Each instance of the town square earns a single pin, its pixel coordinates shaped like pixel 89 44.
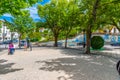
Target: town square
pixel 59 40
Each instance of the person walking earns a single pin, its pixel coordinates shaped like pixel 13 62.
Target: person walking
pixel 29 45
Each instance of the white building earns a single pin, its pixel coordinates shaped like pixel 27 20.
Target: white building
pixel 114 30
pixel 5 33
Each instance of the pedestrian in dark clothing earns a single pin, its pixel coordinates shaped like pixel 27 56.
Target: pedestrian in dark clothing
pixel 29 45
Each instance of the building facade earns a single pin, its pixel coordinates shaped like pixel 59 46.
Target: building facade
pixel 5 33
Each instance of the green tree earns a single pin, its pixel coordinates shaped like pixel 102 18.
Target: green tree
pixel 51 13
pixel 90 10
pixel 35 36
pixel 15 6
pixel 112 15
pixel 60 15
pixel 24 25
pixel 70 19
pixel 95 15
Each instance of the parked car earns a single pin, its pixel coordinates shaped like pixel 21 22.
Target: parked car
pixel 7 42
pixel 22 42
pixel 1 42
pixel 14 40
pixel 81 43
pixel 115 44
pixel 59 43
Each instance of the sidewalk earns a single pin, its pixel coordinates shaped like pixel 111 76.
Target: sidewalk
pixel 113 51
pixel 49 63
pixel 108 50
pixel 2 51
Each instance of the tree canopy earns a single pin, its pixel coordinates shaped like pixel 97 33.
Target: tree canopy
pixel 89 15
pixel 59 15
pixel 14 6
pixel 66 15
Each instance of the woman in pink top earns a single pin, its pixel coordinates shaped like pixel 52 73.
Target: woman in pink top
pixel 10 48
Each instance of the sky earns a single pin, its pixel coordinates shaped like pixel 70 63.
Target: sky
pixel 33 12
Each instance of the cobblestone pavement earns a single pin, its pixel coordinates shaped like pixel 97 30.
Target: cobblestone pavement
pixel 56 64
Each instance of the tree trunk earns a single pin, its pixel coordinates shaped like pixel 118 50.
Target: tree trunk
pixel 19 41
pixel 88 43
pixel 56 39
pixel 66 41
pixel 91 22
pixel 84 42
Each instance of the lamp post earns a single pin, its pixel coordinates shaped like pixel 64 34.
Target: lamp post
pixel 3 34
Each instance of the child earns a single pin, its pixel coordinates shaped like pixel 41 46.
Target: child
pixel 11 48
pixel 25 46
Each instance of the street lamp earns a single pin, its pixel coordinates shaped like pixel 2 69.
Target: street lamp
pixel 3 34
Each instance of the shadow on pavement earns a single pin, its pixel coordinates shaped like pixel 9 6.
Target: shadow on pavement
pixel 78 52
pixel 2 49
pixel 93 53
pixel 7 67
pixel 84 67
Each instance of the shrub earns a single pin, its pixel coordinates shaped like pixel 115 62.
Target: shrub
pixel 34 40
pixel 97 42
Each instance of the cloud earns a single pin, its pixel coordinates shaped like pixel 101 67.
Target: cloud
pixel 7 15
pixel 33 12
